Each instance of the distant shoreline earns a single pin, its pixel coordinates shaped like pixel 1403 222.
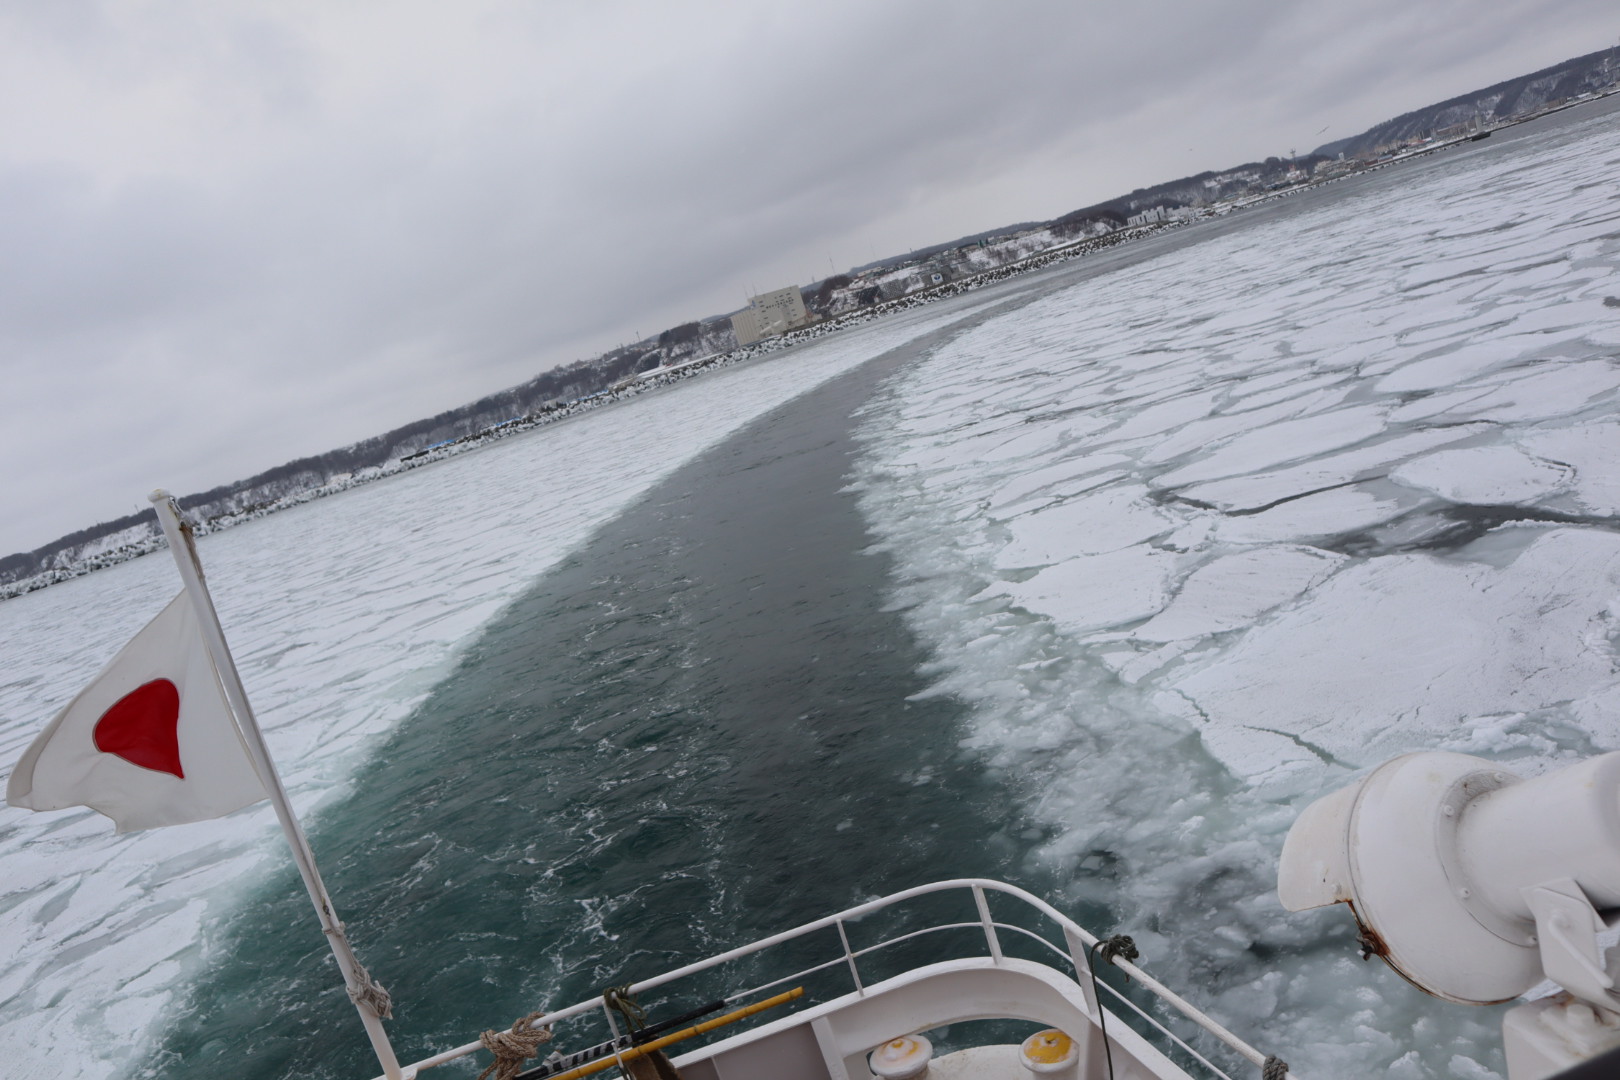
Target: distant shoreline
pixel 658 378
pixel 128 548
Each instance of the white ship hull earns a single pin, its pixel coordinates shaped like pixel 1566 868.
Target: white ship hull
pixel 834 1039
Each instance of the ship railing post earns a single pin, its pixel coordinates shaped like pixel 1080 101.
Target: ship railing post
pixel 989 927
pixel 1077 956
pixel 849 958
pixel 1094 1055
pixel 613 1027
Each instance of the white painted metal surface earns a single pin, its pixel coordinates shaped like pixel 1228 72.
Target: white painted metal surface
pixel 832 1040
pixel 1476 885
pixel 1546 1037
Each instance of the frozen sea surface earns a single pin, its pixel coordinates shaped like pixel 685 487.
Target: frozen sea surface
pixel 1201 537
pixel 342 614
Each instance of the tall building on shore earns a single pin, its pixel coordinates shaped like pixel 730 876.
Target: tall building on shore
pixel 769 314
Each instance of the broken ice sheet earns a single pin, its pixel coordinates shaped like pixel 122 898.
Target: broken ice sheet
pixel 1325 513
pixel 1235 590
pixel 1065 478
pixel 1087 525
pixel 1463 359
pixel 1173 754
pixel 1593 451
pixel 1483 475
pixel 1094 592
pixel 1257 490
pixel 1268 445
pixel 1554 388
pixel 1401 651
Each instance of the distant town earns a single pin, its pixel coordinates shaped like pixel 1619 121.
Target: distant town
pixel 783 317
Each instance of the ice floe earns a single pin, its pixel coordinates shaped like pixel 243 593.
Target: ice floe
pixel 1235 590
pixel 1593 451
pixel 1401 652
pixel 1085 525
pixel 1093 592
pixel 1483 474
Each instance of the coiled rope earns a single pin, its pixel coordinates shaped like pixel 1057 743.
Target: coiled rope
pixel 1118 945
pixel 513 1046
pixel 1275 1068
pixel 621 1001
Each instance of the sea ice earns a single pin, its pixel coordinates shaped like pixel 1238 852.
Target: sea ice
pixel 1086 525
pixel 1273 444
pixel 1593 451
pixel 1556 388
pixel 1462 360
pixel 1310 517
pixel 1364 365
pixel 1096 591
pixel 1258 490
pixel 1236 590
pixel 1064 478
pixel 1483 474
pixel 1404 650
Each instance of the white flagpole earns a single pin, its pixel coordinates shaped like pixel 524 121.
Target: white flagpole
pixel 369 998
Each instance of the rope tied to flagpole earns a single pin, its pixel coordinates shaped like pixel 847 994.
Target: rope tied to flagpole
pixel 365 991
pixel 372 994
pixel 513 1046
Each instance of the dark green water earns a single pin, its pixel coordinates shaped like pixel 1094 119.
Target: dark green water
pixel 693 734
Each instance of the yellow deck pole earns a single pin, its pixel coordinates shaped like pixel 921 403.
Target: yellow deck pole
pixel 696 1029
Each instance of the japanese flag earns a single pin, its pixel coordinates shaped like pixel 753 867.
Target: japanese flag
pixel 150 742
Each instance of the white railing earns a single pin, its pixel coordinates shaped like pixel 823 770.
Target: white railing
pixel 1077 937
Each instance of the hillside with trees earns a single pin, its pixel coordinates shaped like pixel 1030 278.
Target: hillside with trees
pixel 1504 101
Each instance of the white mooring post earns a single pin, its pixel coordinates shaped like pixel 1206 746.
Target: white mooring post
pixel 369 998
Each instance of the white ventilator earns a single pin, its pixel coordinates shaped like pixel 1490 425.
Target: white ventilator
pixel 1476 885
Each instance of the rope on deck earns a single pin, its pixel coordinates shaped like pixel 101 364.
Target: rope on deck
pixel 513 1046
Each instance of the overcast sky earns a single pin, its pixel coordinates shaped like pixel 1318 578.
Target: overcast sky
pixel 234 234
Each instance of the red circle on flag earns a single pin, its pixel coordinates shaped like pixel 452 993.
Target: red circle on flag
pixel 142 727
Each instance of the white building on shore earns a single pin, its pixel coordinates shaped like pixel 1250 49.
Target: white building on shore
pixel 769 314
pixel 1154 214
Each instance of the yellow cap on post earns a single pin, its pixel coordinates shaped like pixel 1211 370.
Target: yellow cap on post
pixel 904 1058
pixel 1048 1051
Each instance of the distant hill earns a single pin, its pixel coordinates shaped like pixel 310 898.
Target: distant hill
pixel 961 241
pixel 1503 101
pixel 1206 187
